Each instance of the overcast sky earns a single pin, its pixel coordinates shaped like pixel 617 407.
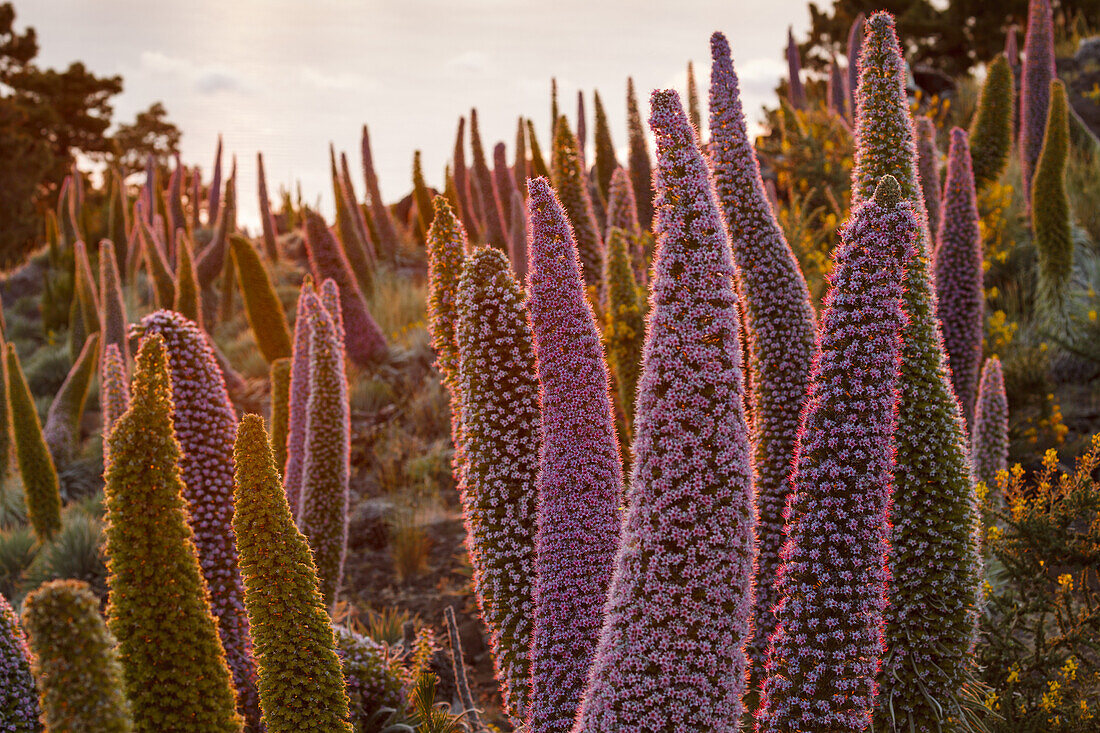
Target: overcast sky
pixel 289 76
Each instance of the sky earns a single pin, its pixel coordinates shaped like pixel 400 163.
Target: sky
pixel 287 77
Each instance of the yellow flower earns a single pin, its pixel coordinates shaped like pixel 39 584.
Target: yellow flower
pixel 1014 674
pixel 1066 583
pixel 1069 669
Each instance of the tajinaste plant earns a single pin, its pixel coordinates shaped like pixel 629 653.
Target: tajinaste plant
pixel 1038 73
pixel 989 436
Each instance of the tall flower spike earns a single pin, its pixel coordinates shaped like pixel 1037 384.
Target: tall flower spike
pixel 300 681
pixel 500 438
pixel 521 167
pixel 582 126
pixel 114 308
pixel 280 409
pixel 795 93
pixel 262 306
pixel 538 163
pixel 213 205
pixel 989 436
pixel 298 400
pixel 641 177
pixel 173 663
pixel 486 192
pixel 62 429
pixel 41 489
pixel 835 92
pixel 267 221
pixel 571 185
pixel 352 242
pixel 388 241
pixel 853 51
pixel 366 345
pixel 358 212
pixel 206 425
pixel 75 660
pixel 18 700
pixel 188 299
pixel 681 600
pixel 580 478
pixel 502 174
pixel 695 114
pixel 932 543
pixel 114 393
pixel 622 208
pixel 323 516
pixel 991 130
pixel 422 196
pixel 779 322
pixel 624 322
pixel 1038 73
pixel 518 253
pixel 1050 212
pixel 827 646
pixel 928 166
pixel 465 210
pixel 606 164
pixel 960 294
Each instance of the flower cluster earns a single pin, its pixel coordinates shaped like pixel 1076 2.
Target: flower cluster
pixel 571 186
pixel 580 477
pixel 18 701
pixel 300 681
pixel 960 295
pixel 680 603
pixel 827 646
pixel 206 426
pixel 499 394
pixel 779 322
pixel 1038 74
pixel 75 660
pixel 174 666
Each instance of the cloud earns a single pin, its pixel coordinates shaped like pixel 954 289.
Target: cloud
pixel 337 81
pixel 206 79
pixel 469 63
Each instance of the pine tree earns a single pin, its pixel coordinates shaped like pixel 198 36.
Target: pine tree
pixel 989 436
pixel 828 643
pixel 778 322
pixel 580 476
pixel 300 681
pixel 267 221
pixel 323 516
pixel 387 239
pixel 40 485
pixel 366 345
pixel 62 429
pixel 681 610
pixel 640 165
pixel 960 295
pixel 280 409
pixel 571 185
pixel 205 425
pixel 188 299
pixel 624 323
pixel 261 304
pixel 928 167
pixel 499 395
pixel 1035 91
pixel 173 663
pixel 297 400
pixel 1050 214
pixel 114 393
pixel 486 192
pixel 75 660
pixel 991 129
pixel 18 701
pixel 934 563
pixel 605 151
pixel 113 316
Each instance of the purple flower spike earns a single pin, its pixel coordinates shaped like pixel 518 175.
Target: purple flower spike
pixel 1035 87
pixel 827 647
pixel 779 321
pixel 672 648
pixel 580 478
pixel 989 441
pixel 928 166
pixel 958 271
